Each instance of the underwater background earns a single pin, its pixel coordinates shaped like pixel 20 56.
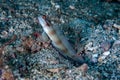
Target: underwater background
pixel 92 27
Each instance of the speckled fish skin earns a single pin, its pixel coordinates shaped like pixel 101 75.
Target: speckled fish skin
pixel 59 42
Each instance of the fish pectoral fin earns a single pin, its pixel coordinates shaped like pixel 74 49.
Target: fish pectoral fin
pixel 53 43
pixel 45 37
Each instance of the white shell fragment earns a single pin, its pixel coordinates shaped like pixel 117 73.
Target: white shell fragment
pixel 11 30
pixel 4 34
pixel 94 58
pixel 95 55
pixel 106 53
pixel 72 7
pixel 57 7
pixel 89 47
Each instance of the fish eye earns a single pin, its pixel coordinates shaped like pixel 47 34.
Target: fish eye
pixel 44 16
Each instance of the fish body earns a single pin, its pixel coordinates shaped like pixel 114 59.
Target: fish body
pixel 59 41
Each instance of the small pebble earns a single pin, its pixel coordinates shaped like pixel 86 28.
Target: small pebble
pixel 20 49
pixel 36 34
pixel 105 45
pixel 54 70
pixel 116 26
pixel 103 56
pixel 117 42
pixel 84 67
